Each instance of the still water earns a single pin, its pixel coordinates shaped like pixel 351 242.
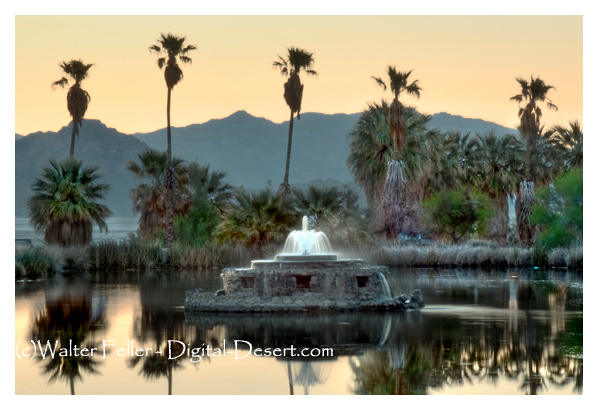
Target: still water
pixel 480 333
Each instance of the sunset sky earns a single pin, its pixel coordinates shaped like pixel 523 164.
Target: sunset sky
pixel 466 65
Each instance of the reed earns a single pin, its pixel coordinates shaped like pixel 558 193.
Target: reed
pixel 34 263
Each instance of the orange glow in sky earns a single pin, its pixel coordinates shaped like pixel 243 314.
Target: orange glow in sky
pixel 466 65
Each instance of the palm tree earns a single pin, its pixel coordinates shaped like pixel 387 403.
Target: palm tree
pixel 209 185
pixel 398 83
pixel 149 197
pixel 395 197
pixel 450 162
pixel 257 219
pixel 297 60
pixel 532 93
pixel 175 51
pixel 371 151
pixel 569 142
pixel 494 165
pixel 77 98
pixel 65 204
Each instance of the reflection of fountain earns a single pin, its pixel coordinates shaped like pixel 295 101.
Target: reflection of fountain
pixel 307 276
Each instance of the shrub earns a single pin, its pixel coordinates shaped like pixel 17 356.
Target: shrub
pixel 457 213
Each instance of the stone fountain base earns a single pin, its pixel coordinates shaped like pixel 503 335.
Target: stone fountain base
pixel 296 283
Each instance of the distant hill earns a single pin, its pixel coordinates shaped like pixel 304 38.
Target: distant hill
pixel 250 149
pixel 253 150
pixel 96 144
pixel 450 122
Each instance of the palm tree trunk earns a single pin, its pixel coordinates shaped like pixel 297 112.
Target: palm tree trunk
pixel 498 225
pixel 284 190
pixel 524 203
pixel 169 180
pixel 170 378
pixel 73 135
pixel 289 378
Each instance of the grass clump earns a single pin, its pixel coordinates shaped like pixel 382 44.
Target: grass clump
pixel 34 263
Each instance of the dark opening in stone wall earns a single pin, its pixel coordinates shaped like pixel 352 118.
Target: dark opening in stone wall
pixel 302 281
pixel 362 280
pixel 247 282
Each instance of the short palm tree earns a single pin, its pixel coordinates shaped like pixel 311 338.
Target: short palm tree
pixel 77 98
pixel 149 197
pixel 569 142
pixel 319 204
pixel 297 60
pixel 494 165
pixel 209 185
pixel 65 203
pixel 395 195
pixel 532 93
pixel 175 50
pixel 257 219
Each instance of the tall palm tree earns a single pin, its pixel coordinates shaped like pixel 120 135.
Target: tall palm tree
pixel 494 165
pixel 65 203
pixel 532 93
pixel 175 50
pixel 398 83
pixel 569 142
pixel 149 197
pixel 371 151
pixel 77 98
pixel 395 197
pixel 291 67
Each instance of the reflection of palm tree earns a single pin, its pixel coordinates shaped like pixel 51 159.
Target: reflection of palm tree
pixel 160 322
pixel 69 321
pixel 308 373
pixel 158 365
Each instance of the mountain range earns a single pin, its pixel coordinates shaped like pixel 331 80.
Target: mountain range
pixel 250 149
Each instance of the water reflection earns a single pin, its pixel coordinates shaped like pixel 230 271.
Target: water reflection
pixel 71 317
pixel 506 332
pixel 161 321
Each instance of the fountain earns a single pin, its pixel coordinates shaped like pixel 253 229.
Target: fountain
pixel 306 276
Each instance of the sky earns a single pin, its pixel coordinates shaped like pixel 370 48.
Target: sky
pixel 466 65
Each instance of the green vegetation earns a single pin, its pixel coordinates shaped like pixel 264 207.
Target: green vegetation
pixel 458 213
pixel 558 212
pixel 65 203
pixel 398 215
pixel 535 170
pixel 419 183
pixel 257 219
pixel 149 197
pixel 291 67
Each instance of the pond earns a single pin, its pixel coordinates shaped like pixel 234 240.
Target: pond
pixel 515 332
